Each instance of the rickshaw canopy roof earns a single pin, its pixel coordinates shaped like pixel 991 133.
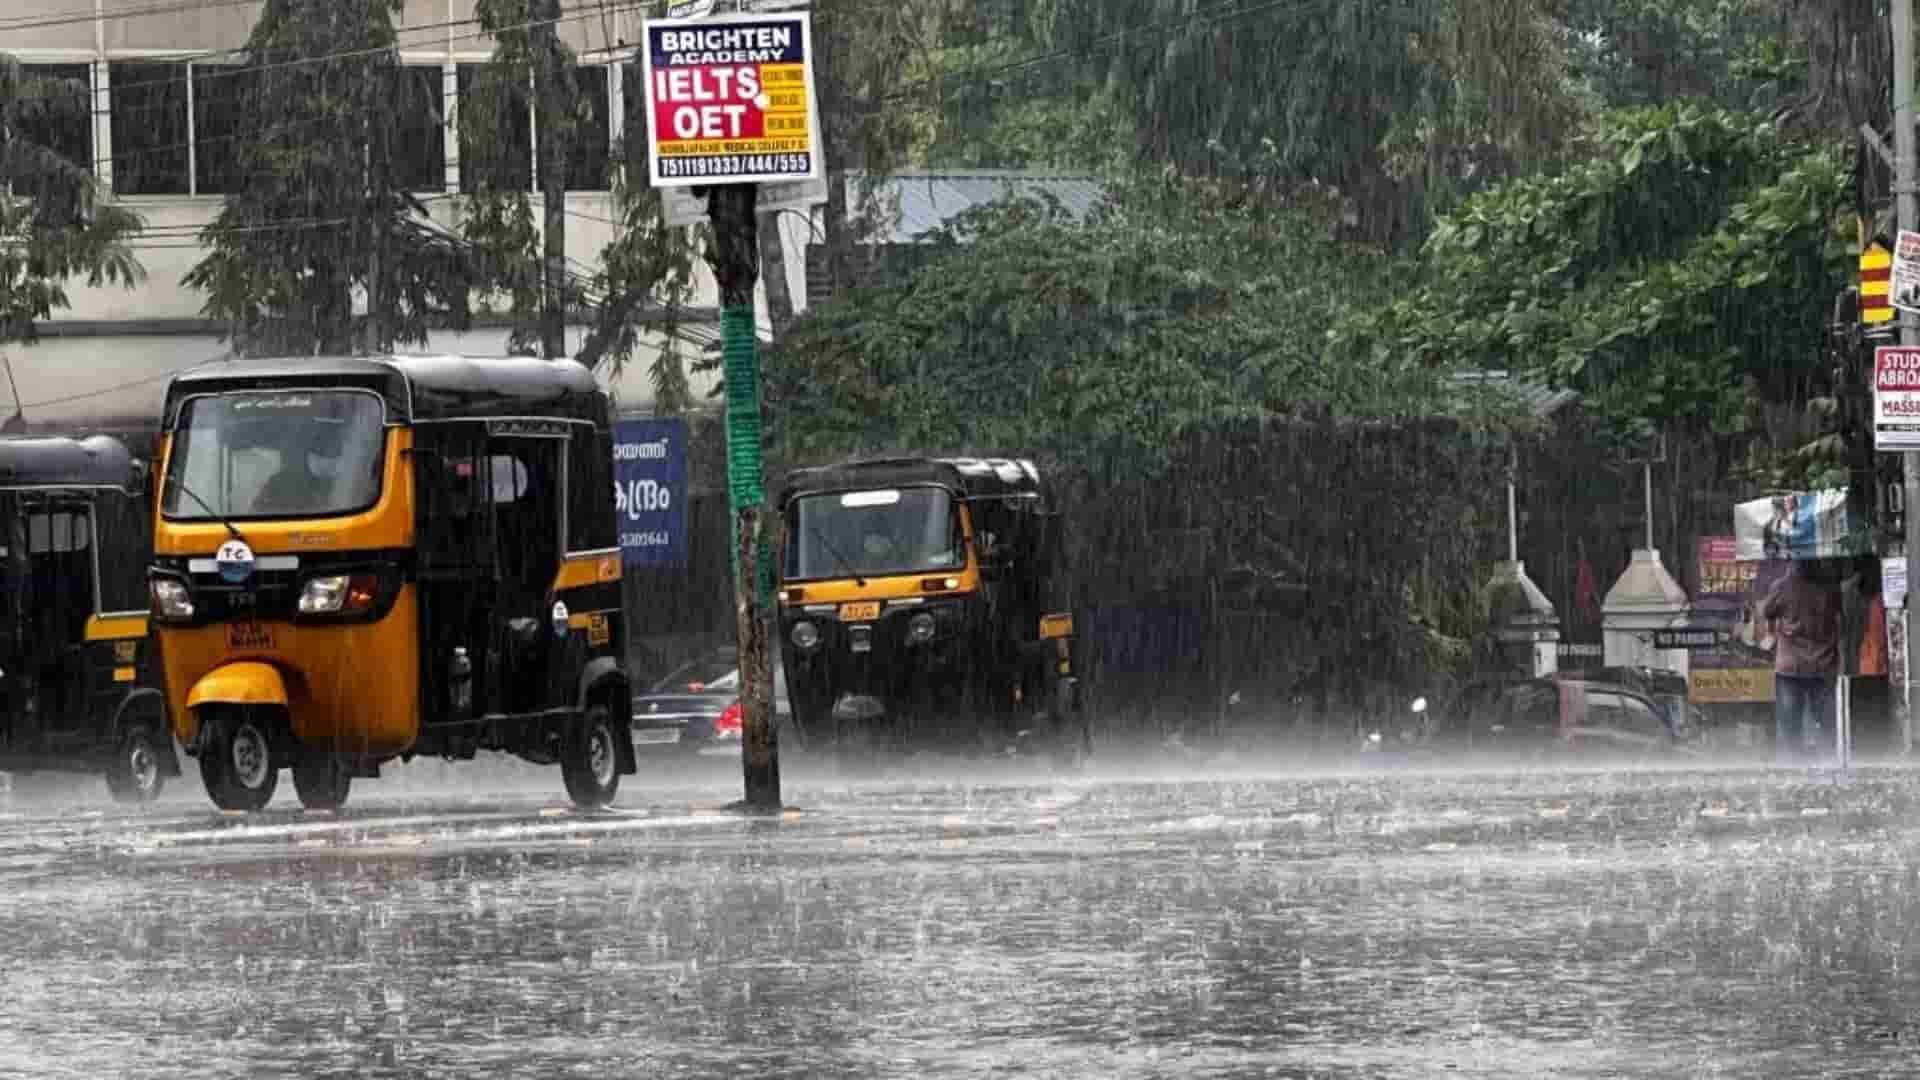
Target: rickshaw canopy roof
pixel 50 462
pixel 969 478
pixel 416 388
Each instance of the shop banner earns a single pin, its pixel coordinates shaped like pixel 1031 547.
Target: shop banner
pixel 1801 525
pixel 1741 669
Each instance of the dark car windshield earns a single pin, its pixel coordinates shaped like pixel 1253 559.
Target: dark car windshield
pixel 276 454
pixel 873 533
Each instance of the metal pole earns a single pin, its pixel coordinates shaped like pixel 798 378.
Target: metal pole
pixel 548 107
pixel 1907 211
pixel 1646 474
pixel 1513 506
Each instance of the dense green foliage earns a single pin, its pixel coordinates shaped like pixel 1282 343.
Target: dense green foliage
pixel 1678 275
pixel 320 216
pixel 56 224
pixel 1176 306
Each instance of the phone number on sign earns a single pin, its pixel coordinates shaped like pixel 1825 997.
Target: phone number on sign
pixel 777 164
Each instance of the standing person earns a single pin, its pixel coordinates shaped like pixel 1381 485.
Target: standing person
pixel 1804 614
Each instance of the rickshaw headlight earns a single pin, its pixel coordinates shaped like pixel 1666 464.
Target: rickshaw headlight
pixel 338 594
pixel 920 628
pixel 805 635
pixel 171 600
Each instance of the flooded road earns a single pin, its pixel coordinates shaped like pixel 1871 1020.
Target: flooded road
pixel 1659 924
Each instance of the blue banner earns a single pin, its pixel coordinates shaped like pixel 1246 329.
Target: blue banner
pixel 650 492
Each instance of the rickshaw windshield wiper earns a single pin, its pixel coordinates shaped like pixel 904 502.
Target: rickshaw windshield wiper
pixel 211 512
pixel 813 530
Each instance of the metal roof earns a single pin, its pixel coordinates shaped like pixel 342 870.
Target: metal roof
pixel 913 202
pixel 99 461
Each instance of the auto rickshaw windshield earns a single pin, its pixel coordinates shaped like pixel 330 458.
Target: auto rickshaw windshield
pixel 873 533
pixel 275 454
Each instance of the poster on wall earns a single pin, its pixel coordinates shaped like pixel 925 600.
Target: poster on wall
pixel 1799 525
pixel 1741 669
pixel 650 492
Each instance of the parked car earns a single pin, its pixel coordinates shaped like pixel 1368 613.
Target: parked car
pixel 696 708
pixel 1561 718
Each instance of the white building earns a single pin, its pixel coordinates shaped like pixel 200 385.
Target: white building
pixel 160 141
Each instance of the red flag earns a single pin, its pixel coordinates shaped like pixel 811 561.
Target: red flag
pixel 1586 591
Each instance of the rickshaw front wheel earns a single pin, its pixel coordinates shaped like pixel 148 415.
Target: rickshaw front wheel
pixel 236 761
pixel 589 760
pixel 133 774
pixel 321 780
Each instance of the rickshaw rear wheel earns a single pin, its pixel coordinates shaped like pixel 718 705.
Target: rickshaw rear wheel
pixel 321 780
pixel 236 761
pixel 589 761
pixel 133 774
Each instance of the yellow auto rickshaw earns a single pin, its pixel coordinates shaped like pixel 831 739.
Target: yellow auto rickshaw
pixel 358 560
pixel 79 690
pixel 928 597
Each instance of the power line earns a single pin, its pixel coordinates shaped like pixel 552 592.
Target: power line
pixel 601 9
pixel 46 21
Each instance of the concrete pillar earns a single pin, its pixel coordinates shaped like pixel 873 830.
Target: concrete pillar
pixel 1524 621
pixel 1645 599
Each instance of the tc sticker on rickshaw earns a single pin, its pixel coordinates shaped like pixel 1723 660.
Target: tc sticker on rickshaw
pixel 859 610
pixel 249 635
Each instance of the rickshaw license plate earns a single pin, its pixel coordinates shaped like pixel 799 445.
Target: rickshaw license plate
pixel 249 635
pixel 860 610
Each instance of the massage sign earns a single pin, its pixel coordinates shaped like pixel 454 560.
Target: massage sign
pixel 1896 398
pixel 730 100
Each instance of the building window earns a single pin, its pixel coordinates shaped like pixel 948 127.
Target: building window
pixel 223 118
pixel 587 159
pixel 65 126
pixel 419 158
pixel 495 104
pixel 150 128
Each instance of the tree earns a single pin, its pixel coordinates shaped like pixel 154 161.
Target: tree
pixel 1162 359
pixel 319 213
pixel 55 223
pixel 1681 276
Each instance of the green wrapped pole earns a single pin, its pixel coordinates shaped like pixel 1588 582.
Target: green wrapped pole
pixel 735 258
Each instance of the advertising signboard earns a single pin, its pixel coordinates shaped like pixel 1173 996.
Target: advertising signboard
pixel 650 492
pixel 1740 668
pixel 730 100
pixel 1896 397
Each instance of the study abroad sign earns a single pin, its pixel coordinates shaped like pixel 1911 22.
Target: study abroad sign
pixel 730 100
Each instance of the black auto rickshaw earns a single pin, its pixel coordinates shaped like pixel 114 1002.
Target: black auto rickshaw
pixel 358 560
pixel 79 688
pixel 922 596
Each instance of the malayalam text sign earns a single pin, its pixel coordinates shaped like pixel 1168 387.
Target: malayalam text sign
pixel 1896 397
pixel 650 491
pixel 730 100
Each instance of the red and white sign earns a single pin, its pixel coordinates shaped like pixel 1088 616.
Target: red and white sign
pixel 1896 397
pixel 730 100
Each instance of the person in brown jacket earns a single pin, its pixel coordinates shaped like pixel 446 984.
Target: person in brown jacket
pixel 1804 613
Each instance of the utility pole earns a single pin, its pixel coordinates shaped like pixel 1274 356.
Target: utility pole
pixel 1905 209
pixel 550 97
pixel 735 259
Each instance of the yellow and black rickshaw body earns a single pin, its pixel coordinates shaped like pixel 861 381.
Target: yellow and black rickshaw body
pixel 79 683
pixel 964 629
pixel 465 597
